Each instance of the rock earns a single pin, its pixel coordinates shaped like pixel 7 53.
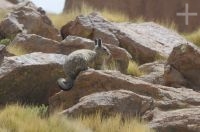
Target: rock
pixel 182 120
pixel 148 10
pixel 27 18
pixel 92 81
pixel 109 103
pixel 34 43
pixel 5 5
pixel 183 67
pixel 91 26
pixel 2 53
pixel 153 72
pixel 30 78
pixel 145 42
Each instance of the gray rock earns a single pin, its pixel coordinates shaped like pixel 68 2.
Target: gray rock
pixel 2 53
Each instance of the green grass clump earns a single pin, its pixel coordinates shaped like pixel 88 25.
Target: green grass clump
pixel 5 41
pixel 133 69
pixel 16 118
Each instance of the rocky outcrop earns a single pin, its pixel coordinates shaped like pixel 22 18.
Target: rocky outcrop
pixel 30 78
pixel 92 81
pixel 124 102
pixel 27 18
pixel 182 120
pixel 149 10
pixel 153 72
pixel 145 42
pixel 183 67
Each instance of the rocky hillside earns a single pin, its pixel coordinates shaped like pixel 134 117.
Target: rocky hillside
pixel 167 95
pixel 151 10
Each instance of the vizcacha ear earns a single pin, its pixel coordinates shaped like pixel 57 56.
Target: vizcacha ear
pixel 99 42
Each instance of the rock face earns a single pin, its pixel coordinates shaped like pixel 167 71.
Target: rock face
pixel 148 9
pixel 27 18
pixel 120 101
pixel 92 81
pixel 183 120
pixel 183 67
pixel 2 52
pixel 145 42
pixel 30 78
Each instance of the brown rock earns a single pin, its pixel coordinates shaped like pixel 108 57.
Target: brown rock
pixel 182 120
pixel 30 78
pixel 109 103
pixel 153 72
pixel 145 42
pixel 27 18
pixel 166 11
pixel 183 67
pixel 92 81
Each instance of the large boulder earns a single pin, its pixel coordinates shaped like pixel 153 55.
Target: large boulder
pixel 2 53
pixel 4 4
pixel 145 42
pixel 28 18
pixel 126 103
pixel 148 9
pixel 183 67
pixel 182 120
pixel 28 43
pixel 30 78
pixel 92 81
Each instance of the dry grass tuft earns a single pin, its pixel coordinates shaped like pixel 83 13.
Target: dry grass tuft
pixel 133 69
pixel 194 37
pixel 61 19
pixel 17 118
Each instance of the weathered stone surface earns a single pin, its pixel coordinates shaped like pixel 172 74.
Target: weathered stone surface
pixel 2 53
pixel 34 43
pixel 153 72
pixel 183 67
pixel 30 78
pixel 92 81
pixel 149 10
pixel 109 103
pixel 4 4
pixel 181 120
pixel 27 18
pixel 145 42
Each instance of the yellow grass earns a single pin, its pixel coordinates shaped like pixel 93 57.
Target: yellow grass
pixel 3 13
pixel 194 37
pixel 133 69
pixel 17 118
pixel 16 50
pixel 61 19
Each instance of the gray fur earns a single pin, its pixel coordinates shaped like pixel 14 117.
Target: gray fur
pixel 80 60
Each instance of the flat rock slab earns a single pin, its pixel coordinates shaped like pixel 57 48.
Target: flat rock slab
pixel 30 78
